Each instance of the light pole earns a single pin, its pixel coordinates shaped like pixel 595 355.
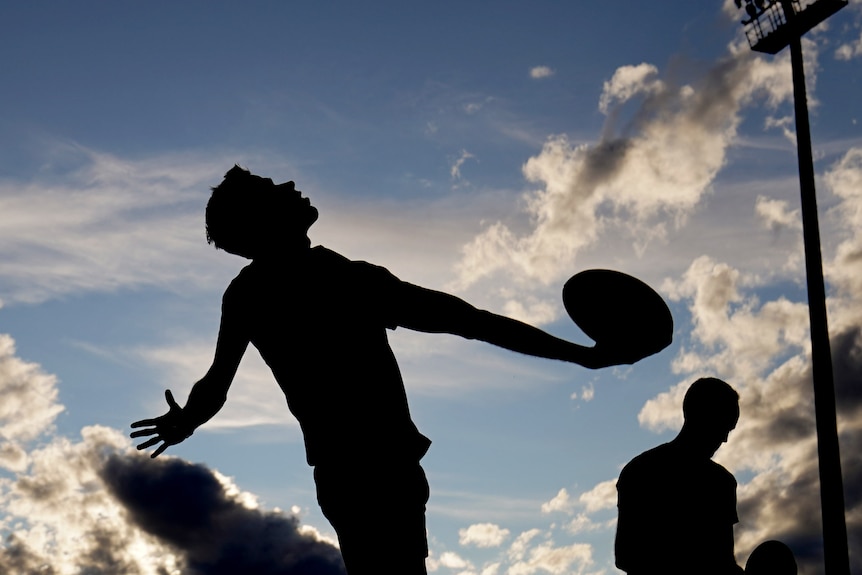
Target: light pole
pixel 771 25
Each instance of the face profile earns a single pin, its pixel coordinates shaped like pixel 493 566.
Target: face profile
pixel 297 209
pixel 251 216
pixel 711 412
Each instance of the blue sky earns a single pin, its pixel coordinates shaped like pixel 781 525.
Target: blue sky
pixel 489 150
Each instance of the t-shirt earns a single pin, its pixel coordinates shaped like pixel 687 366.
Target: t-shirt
pixel 676 514
pixel 319 321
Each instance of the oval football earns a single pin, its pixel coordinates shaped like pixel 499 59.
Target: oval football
pixel 616 309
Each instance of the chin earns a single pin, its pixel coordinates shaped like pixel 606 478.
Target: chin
pixel 313 214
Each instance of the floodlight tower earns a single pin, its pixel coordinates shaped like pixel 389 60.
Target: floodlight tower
pixel 770 26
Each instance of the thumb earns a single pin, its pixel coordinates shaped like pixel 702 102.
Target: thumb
pixel 172 403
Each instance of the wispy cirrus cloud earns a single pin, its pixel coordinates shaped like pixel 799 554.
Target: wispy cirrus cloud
pixel 96 222
pixel 102 223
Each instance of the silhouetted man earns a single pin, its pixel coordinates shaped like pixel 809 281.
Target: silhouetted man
pixel 677 507
pixel 319 321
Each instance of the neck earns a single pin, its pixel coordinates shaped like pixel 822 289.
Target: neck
pixel 689 440
pixel 285 249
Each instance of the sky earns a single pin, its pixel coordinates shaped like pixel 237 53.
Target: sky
pixel 490 150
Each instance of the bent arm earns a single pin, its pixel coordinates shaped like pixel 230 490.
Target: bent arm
pixel 437 312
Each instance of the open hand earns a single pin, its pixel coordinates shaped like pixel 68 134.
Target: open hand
pixel 169 429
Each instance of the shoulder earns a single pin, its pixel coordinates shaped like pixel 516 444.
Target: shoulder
pixel 721 475
pixel 239 285
pixel 322 256
pixel 646 463
pixel 648 457
pixel 324 259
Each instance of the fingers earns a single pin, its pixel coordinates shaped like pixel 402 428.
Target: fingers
pixel 163 428
pixel 150 442
pixel 169 397
pixel 159 450
pixel 145 423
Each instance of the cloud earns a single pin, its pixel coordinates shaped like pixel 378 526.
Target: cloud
pixel 583 523
pixel 539 72
pixel 556 560
pixel 602 496
pixel 629 81
pixel 453 561
pixel 532 551
pixel 761 348
pixel 777 440
pixel 101 223
pixel 776 215
pixel 91 221
pixel 560 502
pixel 28 400
pixel 58 514
pixel 852 48
pixel 740 337
pixel 844 179
pixel 483 535
pixel 192 509
pixel 640 181
pixel 785 124
pixel 97 506
pixel 455 170
pixel 849 50
pixel 740 330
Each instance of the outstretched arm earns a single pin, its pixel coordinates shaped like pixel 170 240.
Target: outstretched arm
pixel 437 312
pixel 206 397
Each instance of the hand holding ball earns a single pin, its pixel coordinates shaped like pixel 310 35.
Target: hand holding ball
pixel 624 316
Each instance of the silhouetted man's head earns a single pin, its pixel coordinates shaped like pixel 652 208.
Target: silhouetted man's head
pixel 711 411
pixel 250 216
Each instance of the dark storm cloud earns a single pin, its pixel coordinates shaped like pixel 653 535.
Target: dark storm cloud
pixel 185 506
pixel 793 509
pixel 790 506
pixel 847 368
pixel 96 507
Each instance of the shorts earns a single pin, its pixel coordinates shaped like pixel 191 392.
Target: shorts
pixel 378 511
